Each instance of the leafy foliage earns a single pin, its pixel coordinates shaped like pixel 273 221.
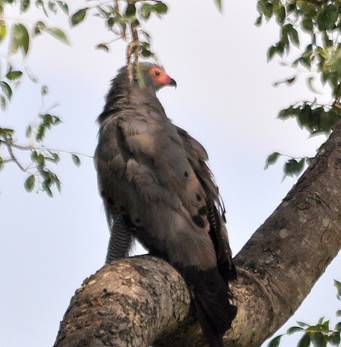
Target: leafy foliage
pixel 125 19
pixel 79 16
pixel 316 119
pixel 38 170
pixel 292 166
pixel 18 37
pixel 317 335
pixel 318 25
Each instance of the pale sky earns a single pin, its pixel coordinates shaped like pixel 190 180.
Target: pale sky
pixel 224 98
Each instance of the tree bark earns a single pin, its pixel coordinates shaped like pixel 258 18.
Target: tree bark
pixel 142 301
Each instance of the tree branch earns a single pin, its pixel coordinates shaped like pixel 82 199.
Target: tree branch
pixel 13 157
pixel 142 301
pixel 43 148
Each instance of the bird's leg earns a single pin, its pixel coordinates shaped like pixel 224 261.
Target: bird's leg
pixel 120 239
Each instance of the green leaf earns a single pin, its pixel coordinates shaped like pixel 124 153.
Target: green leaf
pixel 271 52
pixel 280 13
pixel 325 326
pixel 13 75
pixel 309 8
pixel 47 121
pixel 44 90
pixel 288 81
pixel 326 39
pixel 64 6
pixel 112 21
pixel 146 52
pixel 131 10
pixel 20 39
pixel 275 341
pixel 24 5
pixel 3 30
pixel 41 4
pixel 58 34
pixel 338 313
pixel 38 28
pixel 29 183
pixel 271 159
pixel 47 187
pixel 6 132
pixel 293 167
pixel 162 8
pixel 52 6
pixel 291 7
pixel 259 21
pixel 294 329
pixel 75 159
pixel 41 132
pixel 28 132
pixel 337 285
pixel 302 324
pixel 219 4
pixel 1 163
pixel 327 17
pixel 79 16
pixel 335 339
pixel 3 102
pixel 293 35
pixel 56 181
pixel 321 320
pixel 6 89
pixel 146 10
pixel 38 158
pixel 304 341
pixel 319 340
pixel 265 7
pixel 307 24
pixel 310 82
pixel 103 46
pixel 338 326
pixel 54 157
pixel 289 31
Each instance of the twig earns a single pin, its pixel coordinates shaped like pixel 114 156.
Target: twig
pixel 44 148
pixel 336 102
pixel 4 161
pixel 337 105
pixel 113 40
pixel 13 157
pixel 133 49
pixel 293 157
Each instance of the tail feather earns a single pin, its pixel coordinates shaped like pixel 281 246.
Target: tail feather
pixel 211 298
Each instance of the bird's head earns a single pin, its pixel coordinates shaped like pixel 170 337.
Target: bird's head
pixel 155 76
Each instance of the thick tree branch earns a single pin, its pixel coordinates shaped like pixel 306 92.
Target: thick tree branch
pixel 142 301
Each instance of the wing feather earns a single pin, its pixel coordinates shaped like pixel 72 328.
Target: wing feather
pixel 157 173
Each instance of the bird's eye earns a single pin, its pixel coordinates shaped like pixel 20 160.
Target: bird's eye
pixel 157 73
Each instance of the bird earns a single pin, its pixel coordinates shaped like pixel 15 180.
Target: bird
pixel 157 188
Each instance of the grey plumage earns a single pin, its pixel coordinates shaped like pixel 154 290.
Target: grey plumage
pixel 156 187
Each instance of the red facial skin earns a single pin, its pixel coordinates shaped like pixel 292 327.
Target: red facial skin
pixel 159 76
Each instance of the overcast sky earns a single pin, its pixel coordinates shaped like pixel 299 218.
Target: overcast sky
pixel 224 98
